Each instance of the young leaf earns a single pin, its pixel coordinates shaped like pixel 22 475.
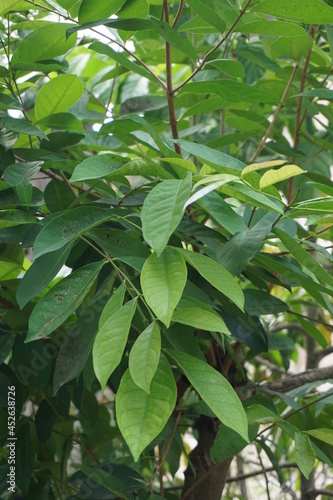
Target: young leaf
pixel 175 39
pixel 303 257
pixel 216 275
pixel 141 416
pixel 144 357
pixel 273 176
pixel 305 456
pixel 68 226
pixel 261 165
pixel 215 390
pixel 59 302
pixel 110 342
pixel 57 95
pixel 163 210
pixel 163 280
pixel 40 274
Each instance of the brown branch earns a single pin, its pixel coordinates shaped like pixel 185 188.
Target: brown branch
pixel 223 39
pixel 287 465
pixel 299 379
pixel 180 8
pixel 324 352
pixel 315 493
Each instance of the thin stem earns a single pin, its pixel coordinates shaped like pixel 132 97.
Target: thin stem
pixel 223 39
pixel 170 98
pixel 321 322
pixel 290 188
pixel 240 477
pixel 287 208
pixel 276 114
pixel 180 8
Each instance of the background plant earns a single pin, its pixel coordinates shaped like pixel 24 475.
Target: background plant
pixel 176 157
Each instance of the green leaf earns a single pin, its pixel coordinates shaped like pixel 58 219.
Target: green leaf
pixel 208 14
pixel 75 350
pixel 228 67
pixel 241 249
pixel 249 195
pixel 13 217
pixel 90 10
pixel 228 443
pixel 40 274
pixel 216 275
pixel 121 59
pixel 98 166
pixel 258 303
pixel 144 357
pixel 163 279
pixel 222 212
pixel 221 162
pixel 313 332
pixel 175 39
pixel 215 390
pixel 141 416
pixel 163 210
pixel 320 93
pixel 68 226
pixel 21 172
pixel 305 456
pixel 231 91
pixel 259 414
pixel 61 121
pixel 293 47
pixel 61 301
pixel 271 28
pixel 303 257
pixel 21 126
pixel 113 305
pixel 57 95
pixel 200 318
pixel 261 165
pixel 301 11
pixel 325 435
pixel 111 340
pixel 109 481
pixel 43 43
pixel 12 5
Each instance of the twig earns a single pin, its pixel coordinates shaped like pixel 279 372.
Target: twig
pixel 276 114
pixel 299 379
pixel 285 210
pixel 315 493
pixel 180 8
pixel 330 327
pixel 223 39
pixel 235 479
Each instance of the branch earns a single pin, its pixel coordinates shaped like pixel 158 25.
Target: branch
pixel 299 379
pixel 324 352
pixel 224 38
pixel 315 493
pixel 287 465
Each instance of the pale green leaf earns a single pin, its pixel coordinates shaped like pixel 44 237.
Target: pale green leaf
pixel 163 279
pixel 325 435
pixel 12 5
pixel 63 299
pixel 216 275
pixel 200 318
pixel 113 305
pixel 300 11
pixel 97 166
pixel 293 47
pixel 215 390
pixel 43 44
pixel 144 357
pixel 262 165
pixel 271 28
pixel 228 67
pixel 90 10
pixel 57 95
pixel 305 456
pixel 231 91
pixel 111 340
pixel 163 210
pixel 141 416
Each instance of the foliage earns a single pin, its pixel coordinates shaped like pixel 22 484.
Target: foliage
pixel 175 156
